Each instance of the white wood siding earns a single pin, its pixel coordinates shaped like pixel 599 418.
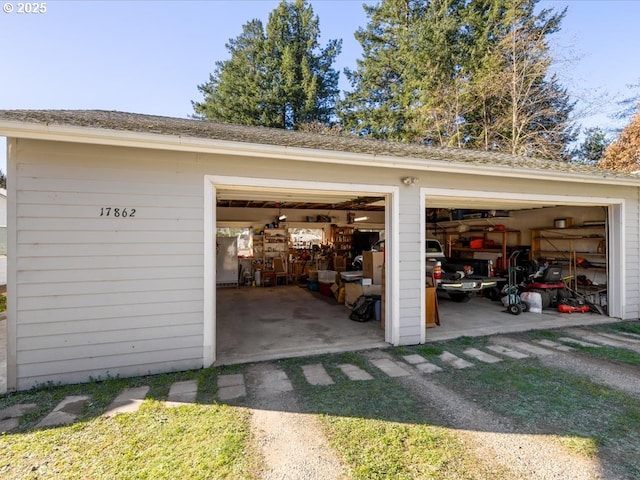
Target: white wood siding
pixel 97 296
pixel 411 280
pixel 100 296
pixel 631 259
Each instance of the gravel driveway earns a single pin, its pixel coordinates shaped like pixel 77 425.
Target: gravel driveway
pixel 293 445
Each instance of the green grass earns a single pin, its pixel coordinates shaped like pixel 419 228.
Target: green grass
pixel 619 355
pixel 587 418
pixel 376 427
pixel 199 441
pixel 381 431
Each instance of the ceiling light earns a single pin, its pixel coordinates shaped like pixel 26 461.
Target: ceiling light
pixel 360 219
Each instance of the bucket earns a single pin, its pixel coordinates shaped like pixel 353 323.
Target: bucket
pixel 560 223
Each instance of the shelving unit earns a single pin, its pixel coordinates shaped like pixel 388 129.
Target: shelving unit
pixel 342 239
pixel 562 244
pixel 484 228
pixel 275 244
pixel 581 249
pixel 258 247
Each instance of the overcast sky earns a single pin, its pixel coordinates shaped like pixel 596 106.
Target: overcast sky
pixel 149 56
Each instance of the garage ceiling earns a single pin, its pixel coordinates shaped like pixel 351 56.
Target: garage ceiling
pixel 475 203
pixel 290 199
pixel 319 200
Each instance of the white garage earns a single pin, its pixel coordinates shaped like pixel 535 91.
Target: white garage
pixel 113 221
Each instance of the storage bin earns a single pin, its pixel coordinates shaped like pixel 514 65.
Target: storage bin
pixel 327 276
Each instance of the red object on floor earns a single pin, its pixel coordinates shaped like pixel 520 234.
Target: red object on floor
pixel 325 289
pixel 570 309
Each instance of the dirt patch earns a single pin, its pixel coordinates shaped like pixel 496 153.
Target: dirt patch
pixel 291 445
pixel 527 456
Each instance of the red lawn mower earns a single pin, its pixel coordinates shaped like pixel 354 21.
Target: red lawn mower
pixel 547 281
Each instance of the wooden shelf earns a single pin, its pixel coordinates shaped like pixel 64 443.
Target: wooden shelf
pixel 342 240
pixel 499 249
pixel 565 245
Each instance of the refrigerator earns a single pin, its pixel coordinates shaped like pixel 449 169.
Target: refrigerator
pixel 227 261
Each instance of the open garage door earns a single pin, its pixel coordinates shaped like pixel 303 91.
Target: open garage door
pixel 521 239
pixel 294 268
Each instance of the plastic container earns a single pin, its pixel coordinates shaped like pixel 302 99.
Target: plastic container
pixel 327 276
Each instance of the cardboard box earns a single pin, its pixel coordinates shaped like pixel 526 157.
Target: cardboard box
pixel 353 290
pixel 372 266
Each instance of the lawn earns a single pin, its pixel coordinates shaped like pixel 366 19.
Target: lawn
pixel 378 428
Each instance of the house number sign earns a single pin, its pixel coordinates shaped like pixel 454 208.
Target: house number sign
pixel 117 212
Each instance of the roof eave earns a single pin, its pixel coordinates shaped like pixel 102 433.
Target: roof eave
pixel 124 138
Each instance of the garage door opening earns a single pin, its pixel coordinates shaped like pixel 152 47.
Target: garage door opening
pixel 284 272
pixel 524 242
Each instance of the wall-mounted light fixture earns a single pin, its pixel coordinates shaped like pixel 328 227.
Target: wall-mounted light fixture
pixel 410 181
pixel 281 216
pixel 360 219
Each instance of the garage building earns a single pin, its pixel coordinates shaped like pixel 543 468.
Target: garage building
pixel 114 219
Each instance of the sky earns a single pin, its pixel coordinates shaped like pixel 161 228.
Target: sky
pixel 149 56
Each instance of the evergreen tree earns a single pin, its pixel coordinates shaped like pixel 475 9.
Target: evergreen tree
pixel 460 73
pixel 592 149
pixel 276 78
pixel 407 52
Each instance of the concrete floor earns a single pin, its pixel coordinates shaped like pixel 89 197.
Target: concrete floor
pixel 481 316
pixel 285 321
pixel 263 323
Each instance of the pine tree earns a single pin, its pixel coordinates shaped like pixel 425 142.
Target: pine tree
pixel 592 149
pixel 278 77
pixel 460 73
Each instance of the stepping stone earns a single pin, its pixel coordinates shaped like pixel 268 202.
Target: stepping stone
pixel 231 386
pixel 582 343
pixel 481 356
pixel 10 416
pixel 414 359
pixel 128 401
pixel 67 411
pixel 507 352
pixel 316 374
pixel 556 345
pixel 601 339
pixel 427 367
pixel 8 424
pixel 272 382
pixel 17 410
pixel 622 338
pixel 354 373
pixel 529 348
pixel 390 367
pixel 630 335
pixel 182 393
pixel 453 361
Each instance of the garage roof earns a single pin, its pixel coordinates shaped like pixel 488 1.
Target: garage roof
pixel 201 129
pixel 150 131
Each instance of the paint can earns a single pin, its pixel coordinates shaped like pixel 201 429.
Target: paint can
pixel 560 223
